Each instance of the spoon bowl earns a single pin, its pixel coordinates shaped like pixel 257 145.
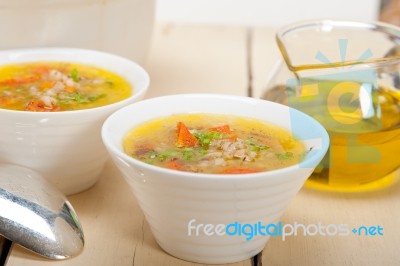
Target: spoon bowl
pixel 36 215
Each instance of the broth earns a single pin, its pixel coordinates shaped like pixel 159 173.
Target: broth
pixel 59 86
pixel 211 143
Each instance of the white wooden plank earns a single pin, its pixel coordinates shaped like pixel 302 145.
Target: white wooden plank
pixel 313 207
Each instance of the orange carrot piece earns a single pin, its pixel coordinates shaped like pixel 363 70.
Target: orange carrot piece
pixel 18 81
pixel 184 137
pixel 241 170
pixel 173 164
pixel 39 106
pixel 41 70
pixel 225 129
pixel 47 84
pixel 233 138
pixel 70 89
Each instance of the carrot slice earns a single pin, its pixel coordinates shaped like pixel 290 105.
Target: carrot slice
pixel 241 170
pixel 41 70
pixel 47 84
pixel 233 138
pixel 173 164
pixel 225 129
pixel 39 106
pixel 184 137
pixel 70 89
pixel 18 81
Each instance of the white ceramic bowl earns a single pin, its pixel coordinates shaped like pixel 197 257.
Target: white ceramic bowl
pixel 171 199
pixel 65 147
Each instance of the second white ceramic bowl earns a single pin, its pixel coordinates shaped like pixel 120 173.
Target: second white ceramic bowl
pixel 180 205
pixel 64 147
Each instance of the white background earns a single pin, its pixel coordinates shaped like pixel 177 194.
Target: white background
pixel 264 12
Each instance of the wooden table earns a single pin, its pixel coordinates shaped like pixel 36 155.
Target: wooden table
pixel 232 60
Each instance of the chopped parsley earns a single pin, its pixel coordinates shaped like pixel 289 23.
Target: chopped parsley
pixel 205 138
pixel 74 75
pixel 284 156
pixel 80 98
pixel 254 146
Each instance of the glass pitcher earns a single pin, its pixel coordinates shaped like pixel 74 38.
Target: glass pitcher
pixel 347 76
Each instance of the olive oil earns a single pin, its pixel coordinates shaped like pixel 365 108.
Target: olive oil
pixel 347 76
pixel 365 142
pixel 359 162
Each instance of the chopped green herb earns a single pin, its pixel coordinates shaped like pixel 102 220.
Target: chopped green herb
pixel 110 83
pixel 254 146
pixel 74 75
pixel 203 151
pixel 95 97
pixel 168 154
pixel 187 154
pixel 259 147
pixel 284 156
pixel 77 97
pixel 205 138
pixel 80 98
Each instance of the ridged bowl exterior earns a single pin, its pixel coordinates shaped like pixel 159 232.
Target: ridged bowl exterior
pixel 171 199
pixel 65 147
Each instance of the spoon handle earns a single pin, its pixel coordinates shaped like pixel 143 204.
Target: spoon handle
pixel 5 248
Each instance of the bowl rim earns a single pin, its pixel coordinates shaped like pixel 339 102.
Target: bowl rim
pixel 138 92
pixel 317 156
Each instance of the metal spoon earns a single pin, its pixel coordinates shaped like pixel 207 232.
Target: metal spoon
pixel 36 215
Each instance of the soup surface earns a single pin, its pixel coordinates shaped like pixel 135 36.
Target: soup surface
pixel 59 86
pixel 211 143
